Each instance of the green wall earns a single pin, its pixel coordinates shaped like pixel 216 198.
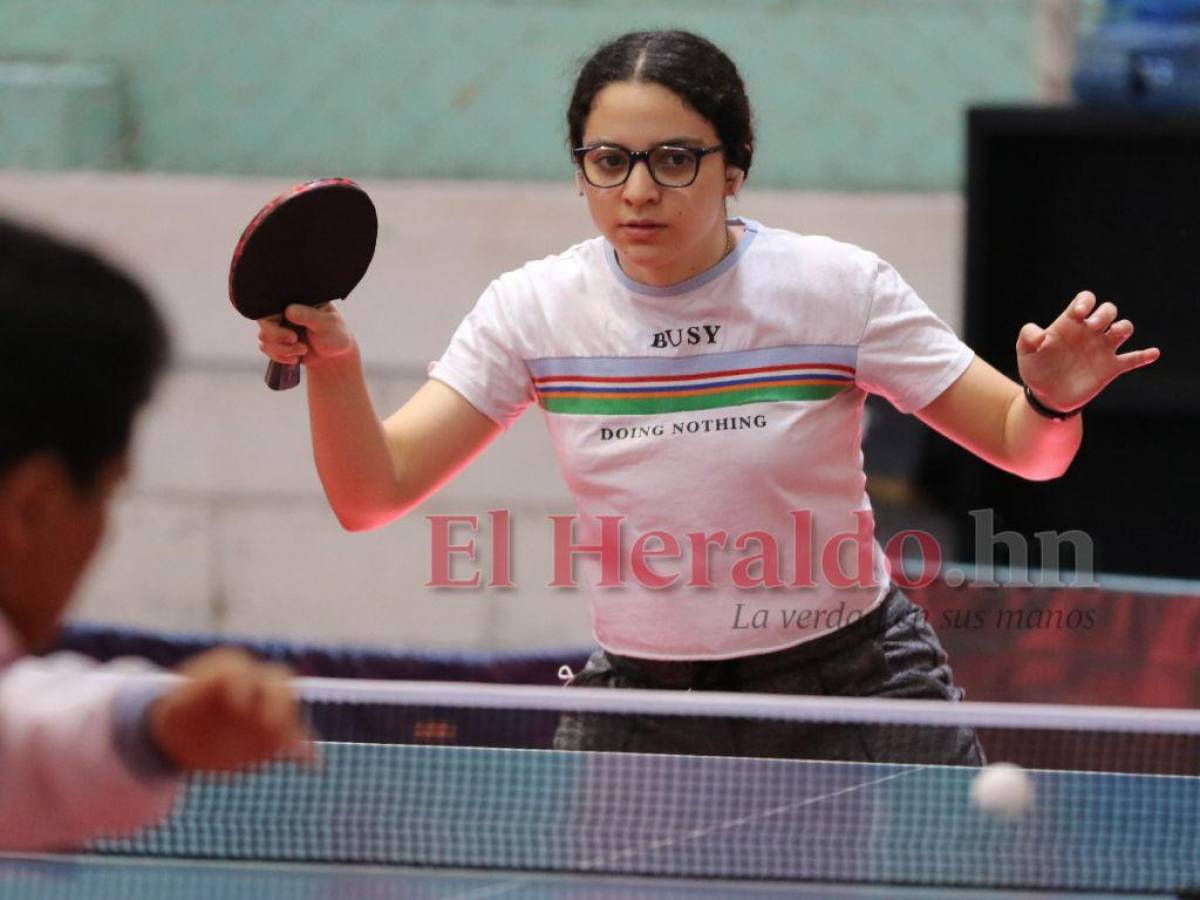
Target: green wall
pixel 850 94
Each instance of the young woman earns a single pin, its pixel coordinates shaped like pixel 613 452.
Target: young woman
pixel 703 378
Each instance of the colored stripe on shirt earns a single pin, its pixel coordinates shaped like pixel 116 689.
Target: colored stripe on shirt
pixel 642 385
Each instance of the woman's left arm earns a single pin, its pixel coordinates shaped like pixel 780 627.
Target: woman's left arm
pixel 1064 365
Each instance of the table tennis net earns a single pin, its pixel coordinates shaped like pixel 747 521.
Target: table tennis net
pixel 787 788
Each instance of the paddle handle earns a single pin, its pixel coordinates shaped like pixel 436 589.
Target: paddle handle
pixel 283 376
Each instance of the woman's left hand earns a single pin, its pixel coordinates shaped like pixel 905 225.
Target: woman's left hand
pixel 1072 361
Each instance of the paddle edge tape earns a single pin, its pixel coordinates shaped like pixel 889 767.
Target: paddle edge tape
pixel 274 205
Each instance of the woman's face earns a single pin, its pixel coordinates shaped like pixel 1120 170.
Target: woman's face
pixel 662 235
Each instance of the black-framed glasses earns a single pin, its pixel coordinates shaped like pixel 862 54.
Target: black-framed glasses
pixel 608 165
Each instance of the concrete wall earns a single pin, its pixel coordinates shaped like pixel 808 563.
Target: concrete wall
pixel 224 526
pixel 850 94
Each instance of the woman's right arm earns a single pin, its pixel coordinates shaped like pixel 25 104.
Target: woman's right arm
pixel 373 471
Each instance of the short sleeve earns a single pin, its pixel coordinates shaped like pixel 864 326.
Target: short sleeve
pixel 906 353
pixel 483 362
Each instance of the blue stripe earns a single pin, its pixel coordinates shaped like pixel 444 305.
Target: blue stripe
pixel 696 364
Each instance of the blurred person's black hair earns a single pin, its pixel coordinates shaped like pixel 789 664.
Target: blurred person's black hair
pixel 81 347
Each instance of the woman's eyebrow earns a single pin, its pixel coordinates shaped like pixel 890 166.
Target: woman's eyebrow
pixel 673 141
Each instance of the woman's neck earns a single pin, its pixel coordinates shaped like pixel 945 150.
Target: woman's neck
pixel 716 249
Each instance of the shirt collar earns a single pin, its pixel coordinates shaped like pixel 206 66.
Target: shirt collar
pixel 696 281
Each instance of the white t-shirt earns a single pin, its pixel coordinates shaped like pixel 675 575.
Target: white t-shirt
pixel 66 773
pixel 728 404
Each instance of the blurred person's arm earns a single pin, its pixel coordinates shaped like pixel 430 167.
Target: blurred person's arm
pixel 74 759
pixel 89 750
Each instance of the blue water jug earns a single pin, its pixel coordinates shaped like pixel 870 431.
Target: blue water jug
pixel 1144 54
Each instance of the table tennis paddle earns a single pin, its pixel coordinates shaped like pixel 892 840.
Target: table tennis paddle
pixel 310 245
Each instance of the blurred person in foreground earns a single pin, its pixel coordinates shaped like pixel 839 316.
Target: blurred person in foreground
pixel 89 749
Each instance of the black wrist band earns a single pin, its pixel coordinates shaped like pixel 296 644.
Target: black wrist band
pixel 1043 410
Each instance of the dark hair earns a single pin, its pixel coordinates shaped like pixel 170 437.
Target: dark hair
pixel 695 69
pixel 81 346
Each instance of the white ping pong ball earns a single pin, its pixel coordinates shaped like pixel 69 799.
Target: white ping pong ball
pixel 1003 789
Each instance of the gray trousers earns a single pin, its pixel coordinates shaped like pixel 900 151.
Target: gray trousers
pixel 891 652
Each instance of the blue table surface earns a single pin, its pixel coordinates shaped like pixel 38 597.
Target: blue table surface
pixel 123 878
pixel 485 822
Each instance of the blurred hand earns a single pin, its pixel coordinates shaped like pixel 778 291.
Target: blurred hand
pixel 1073 360
pixel 326 336
pixel 231 711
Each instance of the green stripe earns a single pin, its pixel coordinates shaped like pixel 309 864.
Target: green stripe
pixel 603 406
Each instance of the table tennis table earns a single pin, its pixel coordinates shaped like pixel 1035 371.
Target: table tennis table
pixel 376 821
pixel 119 878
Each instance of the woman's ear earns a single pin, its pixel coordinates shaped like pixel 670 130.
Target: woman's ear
pixel 734 177
pixel 579 181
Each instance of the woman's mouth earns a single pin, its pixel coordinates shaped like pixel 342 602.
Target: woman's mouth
pixel 641 228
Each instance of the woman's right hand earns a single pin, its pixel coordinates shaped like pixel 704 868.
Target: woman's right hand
pixel 326 335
